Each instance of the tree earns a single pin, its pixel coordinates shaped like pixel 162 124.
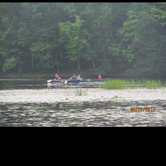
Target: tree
pixel 158 11
pixel 141 43
pixel 75 39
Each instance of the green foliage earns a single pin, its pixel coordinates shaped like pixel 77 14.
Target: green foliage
pixel 153 84
pixel 128 33
pixel 75 38
pixel 132 83
pixel 122 84
pixel 158 11
pixel 106 38
pixel 150 84
pixel 114 84
pixel 104 68
pixel 115 97
pixel 9 64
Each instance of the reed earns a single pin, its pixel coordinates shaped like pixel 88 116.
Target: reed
pixel 122 84
pixel 153 84
pixel 132 83
pixel 114 84
pixel 80 92
pixel 150 84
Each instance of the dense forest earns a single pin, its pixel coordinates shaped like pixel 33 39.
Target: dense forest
pixel 104 38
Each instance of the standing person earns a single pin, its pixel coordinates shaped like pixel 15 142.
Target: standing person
pixel 78 77
pixel 57 77
pixel 99 77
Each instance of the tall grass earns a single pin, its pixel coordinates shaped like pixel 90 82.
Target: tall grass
pixel 122 84
pixel 150 84
pixel 114 84
pixel 80 92
pixel 132 83
pixel 153 84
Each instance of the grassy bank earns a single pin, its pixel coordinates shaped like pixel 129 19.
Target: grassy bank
pixel 63 74
pixel 122 84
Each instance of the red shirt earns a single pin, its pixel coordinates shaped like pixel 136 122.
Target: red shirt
pixel 99 77
pixel 57 77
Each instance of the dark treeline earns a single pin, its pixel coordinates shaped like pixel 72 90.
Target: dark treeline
pixel 106 38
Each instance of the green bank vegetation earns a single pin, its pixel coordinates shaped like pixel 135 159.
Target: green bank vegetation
pixel 114 84
pixel 122 84
pixel 106 38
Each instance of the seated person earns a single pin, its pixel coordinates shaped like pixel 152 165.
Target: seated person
pixel 78 77
pixel 57 77
pixel 73 77
pixel 99 77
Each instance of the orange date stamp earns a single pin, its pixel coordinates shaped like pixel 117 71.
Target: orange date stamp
pixel 141 109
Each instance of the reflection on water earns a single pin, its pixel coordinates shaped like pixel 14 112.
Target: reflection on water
pixel 98 114
pixel 42 84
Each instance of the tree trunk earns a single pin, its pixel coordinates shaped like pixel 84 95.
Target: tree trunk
pixel 113 39
pixel 19 61
pixel 78 64
pixel 104 53
pixel 48 51
pixel 70 65
pixel 92 61
pixel 57 64
pixel 32 63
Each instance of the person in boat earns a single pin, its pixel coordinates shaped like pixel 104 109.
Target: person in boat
pixel 73 77
pixel 79 77
pixel 57 77
pixel 99 77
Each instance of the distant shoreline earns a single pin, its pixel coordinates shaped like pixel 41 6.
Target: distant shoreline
pixel 63 74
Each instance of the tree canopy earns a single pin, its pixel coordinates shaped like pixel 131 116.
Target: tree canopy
pixel 106 38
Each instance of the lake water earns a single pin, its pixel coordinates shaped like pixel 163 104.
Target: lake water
pixel 27 102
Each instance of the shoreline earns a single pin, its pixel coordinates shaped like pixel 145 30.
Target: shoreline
pixel 87 74
pixel 67 77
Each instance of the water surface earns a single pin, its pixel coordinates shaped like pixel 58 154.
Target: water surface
pixel 27 102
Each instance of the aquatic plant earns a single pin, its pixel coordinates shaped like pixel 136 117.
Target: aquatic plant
pixel 79 92
pixel 150 84
pixel 115 97
pixel 153 84
pixel 114 84
pixel 122 84
pixel 132 83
